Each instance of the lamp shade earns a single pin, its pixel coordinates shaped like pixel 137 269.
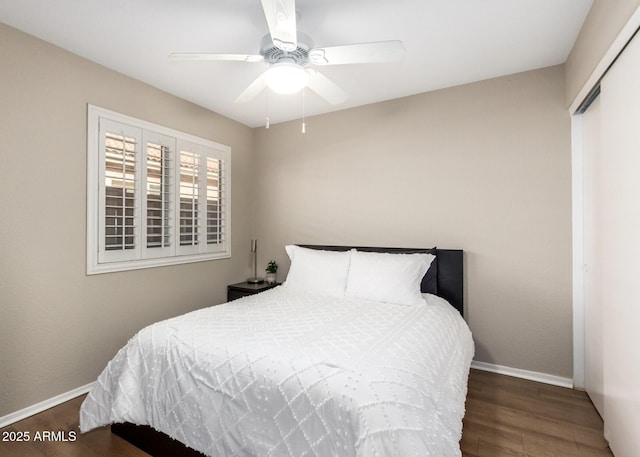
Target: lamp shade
pixel 286 77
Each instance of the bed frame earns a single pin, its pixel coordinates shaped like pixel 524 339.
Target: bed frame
pixel 448 280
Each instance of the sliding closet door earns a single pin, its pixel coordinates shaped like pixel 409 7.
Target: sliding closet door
pixel 620 266
pixel 592 218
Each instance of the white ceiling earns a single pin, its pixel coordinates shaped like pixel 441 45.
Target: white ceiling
pixel 448 42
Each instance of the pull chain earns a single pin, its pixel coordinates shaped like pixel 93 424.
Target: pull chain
pixel 304 125
pixel 268 121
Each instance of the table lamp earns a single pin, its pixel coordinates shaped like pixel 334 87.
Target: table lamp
pixel 254 251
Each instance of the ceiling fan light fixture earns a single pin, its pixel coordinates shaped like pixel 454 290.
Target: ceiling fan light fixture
pixel 286 77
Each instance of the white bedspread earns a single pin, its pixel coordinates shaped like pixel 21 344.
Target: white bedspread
pixel 294 374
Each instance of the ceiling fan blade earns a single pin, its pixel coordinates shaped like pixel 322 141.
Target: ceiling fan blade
pixel 374 52
pixel 252 91
pixel 326 88
pixel 223 57
pixel 281 19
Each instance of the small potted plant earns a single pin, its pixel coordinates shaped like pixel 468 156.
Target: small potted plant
pixel 272 269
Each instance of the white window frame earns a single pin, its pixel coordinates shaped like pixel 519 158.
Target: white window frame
pixel 99 260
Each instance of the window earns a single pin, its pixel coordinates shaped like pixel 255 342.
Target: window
pixel 156 196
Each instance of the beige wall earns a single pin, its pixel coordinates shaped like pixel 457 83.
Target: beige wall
pixel 485 167
pixel 603 24
pixel 58 327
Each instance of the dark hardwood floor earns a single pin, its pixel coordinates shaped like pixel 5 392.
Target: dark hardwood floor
pixel 505 417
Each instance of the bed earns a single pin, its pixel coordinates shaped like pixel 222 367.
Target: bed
pixel 344 359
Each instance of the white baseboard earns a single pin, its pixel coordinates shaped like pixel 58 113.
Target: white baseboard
pixel 524 374
pixel 43 405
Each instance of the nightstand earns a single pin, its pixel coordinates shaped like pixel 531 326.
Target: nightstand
pixel 243 289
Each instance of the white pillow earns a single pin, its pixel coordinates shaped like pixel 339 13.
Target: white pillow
pixel 313 270
pixel 390 278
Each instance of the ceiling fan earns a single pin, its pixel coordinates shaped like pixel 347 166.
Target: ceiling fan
pixel 290 54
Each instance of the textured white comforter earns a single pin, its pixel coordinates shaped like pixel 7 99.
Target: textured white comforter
pixel 294 374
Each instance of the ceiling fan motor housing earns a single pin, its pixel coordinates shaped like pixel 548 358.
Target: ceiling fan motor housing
pixel 299 56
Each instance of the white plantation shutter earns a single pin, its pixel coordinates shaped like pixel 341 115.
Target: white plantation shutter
pixel 155 196
pixel 189 198
pixel 216 188
pixel 201 195
pixel 119 171
pixel 159 195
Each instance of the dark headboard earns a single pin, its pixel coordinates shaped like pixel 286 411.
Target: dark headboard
pixel 448 280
